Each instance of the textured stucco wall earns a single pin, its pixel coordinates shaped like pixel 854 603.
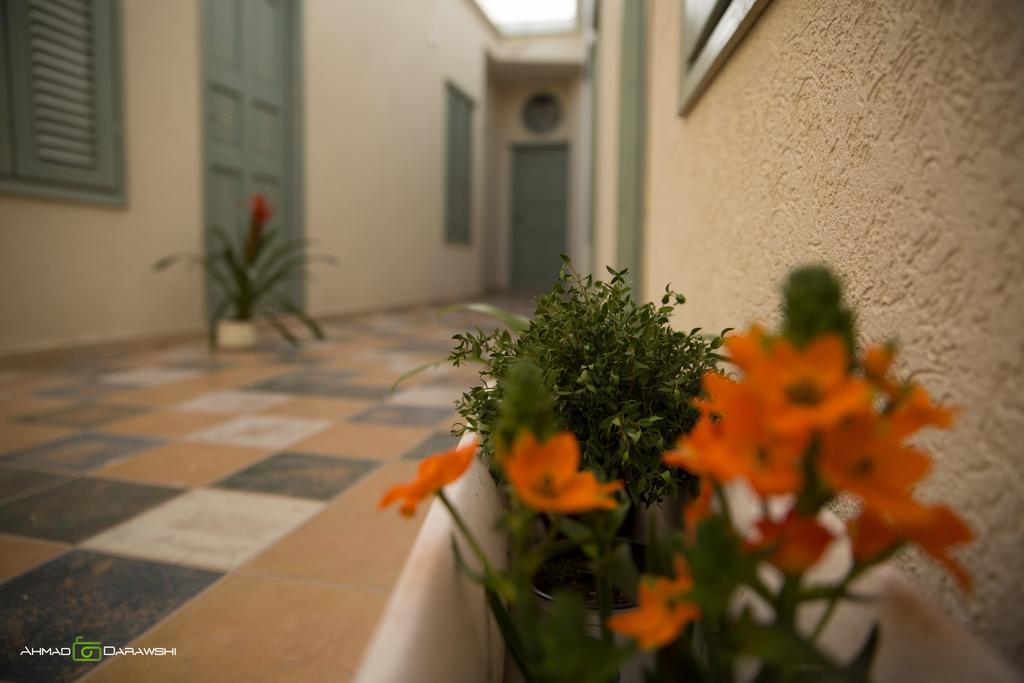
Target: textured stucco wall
pixel 886 139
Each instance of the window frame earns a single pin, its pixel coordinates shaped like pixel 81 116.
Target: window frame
pixel 707 40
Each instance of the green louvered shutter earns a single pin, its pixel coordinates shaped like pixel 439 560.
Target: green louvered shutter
pixel 64 94
pixel 458 167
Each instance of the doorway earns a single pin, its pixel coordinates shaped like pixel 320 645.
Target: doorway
pixel 540 200
pixel 250 114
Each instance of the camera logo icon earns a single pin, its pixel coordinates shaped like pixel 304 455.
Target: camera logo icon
pixel 86 650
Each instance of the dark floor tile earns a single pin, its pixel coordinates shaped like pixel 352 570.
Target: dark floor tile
pixel 16 483
pixel 83 415
pixel 79 508
pixel 300 474
pixel 409 416
pixel 80 452
pixel 104 599
pixel 435 443
pixel 307 382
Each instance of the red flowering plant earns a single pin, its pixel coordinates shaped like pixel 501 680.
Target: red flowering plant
pixel 251 275
pixel 804 419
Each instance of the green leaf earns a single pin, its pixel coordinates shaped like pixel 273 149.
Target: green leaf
pixel 415 371
pixel 281 328
pixel 297 311
pixel 510 634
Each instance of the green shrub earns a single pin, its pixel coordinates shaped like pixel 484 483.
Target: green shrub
pixel 622 379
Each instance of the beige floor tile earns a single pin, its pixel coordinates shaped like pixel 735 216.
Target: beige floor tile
pixel 18 555
pixel 29 405
pixel 249 628
pixel 367 545
pixel 184 464
pixel 380 377
pixel 164 396
pixel 207 528
pixel 376 442
pixel 15 436
pixel 321 408
pixel 169 423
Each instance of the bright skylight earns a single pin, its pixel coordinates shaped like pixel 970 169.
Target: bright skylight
pixel 530 16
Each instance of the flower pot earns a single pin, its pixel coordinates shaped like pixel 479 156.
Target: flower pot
pixel 236 335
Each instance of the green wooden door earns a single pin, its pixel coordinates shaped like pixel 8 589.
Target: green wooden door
pixel 249 111
pixel 540 189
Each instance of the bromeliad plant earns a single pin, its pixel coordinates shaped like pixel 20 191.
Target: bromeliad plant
pixel 805 419
pixel 250 274
pixel 622 379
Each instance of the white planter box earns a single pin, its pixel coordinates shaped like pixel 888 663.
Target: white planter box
pixel 437 626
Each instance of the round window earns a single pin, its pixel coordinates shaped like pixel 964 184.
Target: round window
pixel 542 113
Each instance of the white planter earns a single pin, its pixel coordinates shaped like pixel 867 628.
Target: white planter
pixel 236 335
pixel 437 626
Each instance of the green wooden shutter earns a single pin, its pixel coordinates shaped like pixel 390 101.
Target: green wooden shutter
pixel 458 167
pixel 65 95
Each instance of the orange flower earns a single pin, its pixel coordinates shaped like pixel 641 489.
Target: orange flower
pixel 865 458
pixel 433 473
pixel 739 444
pixel 750 350
pixel 663 612
pixel 877 361
pixel 915 410
pixel 545 476
pixel 795 543
pixel 810 388
pixel 699 508
pixel 934 532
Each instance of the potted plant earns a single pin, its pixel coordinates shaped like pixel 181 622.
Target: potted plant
pixel 249 274
pixel 806 419
pixel 621 378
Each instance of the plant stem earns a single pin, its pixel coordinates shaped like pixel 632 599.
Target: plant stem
pixel 604 596
pixel 723 502
pixel 464 530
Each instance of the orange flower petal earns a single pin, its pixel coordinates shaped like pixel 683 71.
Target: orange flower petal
pixel 796 543
pixel 663 611
pixel 545 477
pixel 433 473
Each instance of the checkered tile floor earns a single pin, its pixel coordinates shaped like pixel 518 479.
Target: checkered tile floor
pixel 220 504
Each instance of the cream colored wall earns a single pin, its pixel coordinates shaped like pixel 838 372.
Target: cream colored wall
pixel 375 136
pixel 510 131
pixel 884 139
pixel 77 273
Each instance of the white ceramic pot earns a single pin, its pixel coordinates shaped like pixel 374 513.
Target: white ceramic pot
pixel 236 335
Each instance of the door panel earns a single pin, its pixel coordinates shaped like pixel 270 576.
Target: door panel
pixel 247 116
pixel 540 186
